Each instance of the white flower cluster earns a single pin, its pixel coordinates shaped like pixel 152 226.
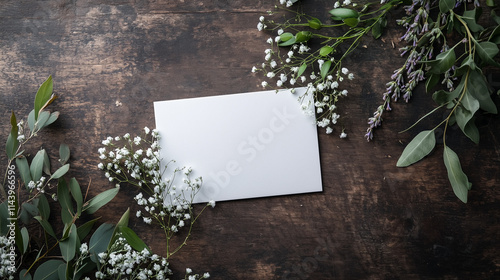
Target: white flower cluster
pixel 6 268
pixel 286 70
pixel 121 261
pixel 127 160
pixel 38 185
pixel 190 276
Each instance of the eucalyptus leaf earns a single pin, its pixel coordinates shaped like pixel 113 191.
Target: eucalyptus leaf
pixel 36 166
pixel 46 164
pixel 418 148
pixel 60 172
pixel 100 240
pixel 465 121
pixel 48 270
pixel 46 226
pixel 64 199
pixel 26 238
pixel 86 228
pixel 43 117
pixel 76 193
pixel 12 143
pixel 43 207
pixel 132 239
pixel 24 170
pixel 43 96
pixel 64 153
pixel 4 215
pixel 31 120
pixel 459 181
pixel 53 117
pixel 24 275
pixel 100 200
pixel 68 245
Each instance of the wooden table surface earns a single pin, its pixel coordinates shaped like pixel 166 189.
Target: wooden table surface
pixel 111 59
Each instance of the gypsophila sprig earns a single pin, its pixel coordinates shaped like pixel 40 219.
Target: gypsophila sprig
pixel 163 201
pixel 291 62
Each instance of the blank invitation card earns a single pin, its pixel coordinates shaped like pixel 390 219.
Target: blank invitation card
pixel 245 145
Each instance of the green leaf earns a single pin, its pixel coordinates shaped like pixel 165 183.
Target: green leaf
pixel 446 5
pixel 65 201
pixel 132 239
pixel 343 13
pixel 471 17
pixel 60 172
pixel 43 207
pixel 43 95
pixel 64 153
pixel 459 181
pixel 24 275
pixel 351 22
pixel 68 245
pixel 36 167
pixel 122 222
pixel 302 68
pixel 100 240
pixel 100 200
pixel 325 68
pixel 286 36
pixel 46 164
pixel 12 143
pixel 31 120
pixel 4 215
pixel 325 50
pixel 26 239
pixel 48 270
pixel 314 23
pixel 24 170
pixel 76 192
pixel 43 117
pixel 443 62
pixel 61 271
pixel 53 117
pixel 431 82
pixel 486 51
pixel 46 226
pixel 287 43
pixel 495 35
pixel 418 148
pixel 85 229
pixel 303 36
pixel 478 88
pixel 465 121
pixel 490 3
pixel 378 27
pixel 31 208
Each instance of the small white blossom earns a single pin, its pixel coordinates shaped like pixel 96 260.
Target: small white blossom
pixel 343 135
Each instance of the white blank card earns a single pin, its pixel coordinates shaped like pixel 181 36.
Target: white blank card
pixel 245 145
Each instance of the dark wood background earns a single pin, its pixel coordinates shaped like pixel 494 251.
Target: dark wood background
pixel 111 59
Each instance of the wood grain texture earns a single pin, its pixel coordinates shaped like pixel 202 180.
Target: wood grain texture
pixel 111 60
